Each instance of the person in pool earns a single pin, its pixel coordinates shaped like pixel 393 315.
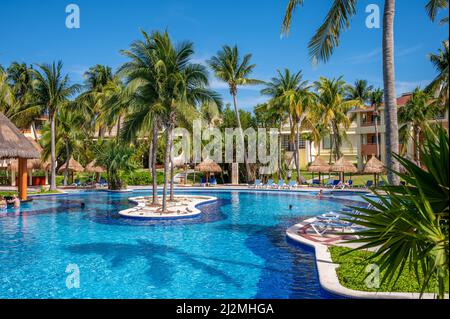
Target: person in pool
pixel 16 201
pixel 320 194
pixel 3 203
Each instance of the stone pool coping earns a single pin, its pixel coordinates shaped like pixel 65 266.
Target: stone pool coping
pixel 142 211
pixel 327 271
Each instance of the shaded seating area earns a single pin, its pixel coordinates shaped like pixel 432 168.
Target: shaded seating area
pixel 15 146
pixel 318 166
pixel 376 167
pixel 70 167
pixel 208 166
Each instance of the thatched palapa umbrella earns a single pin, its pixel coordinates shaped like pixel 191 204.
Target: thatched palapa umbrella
pixel 92 168
pixel 14 145
pixel 73 166
pixel 374 166
pixel 319 166
pixel 343 166
pixel 208 166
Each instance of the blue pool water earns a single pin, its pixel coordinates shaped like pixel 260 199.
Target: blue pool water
pixel 236 249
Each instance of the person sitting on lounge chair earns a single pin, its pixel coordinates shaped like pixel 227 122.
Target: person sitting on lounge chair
pixel 270 183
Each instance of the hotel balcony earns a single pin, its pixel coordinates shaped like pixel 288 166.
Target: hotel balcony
pixel 368 149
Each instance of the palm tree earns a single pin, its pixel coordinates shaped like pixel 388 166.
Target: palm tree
pixel 51 91
pixel 229 68
pixel 146 110
pixel 70 135
pixel 93 100
pixel 376 98
pixel 171 85
pixel 359 91
pixel 417 113
pixel 327 37
pixel 440 62
pixel 433 6
pixel 116 157
pixel 334 109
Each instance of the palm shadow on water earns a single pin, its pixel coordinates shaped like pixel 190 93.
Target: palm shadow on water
pixel 289 270
pixel 159 259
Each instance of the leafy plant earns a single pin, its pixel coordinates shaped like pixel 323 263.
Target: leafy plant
pixel 116 158
pixel 408 224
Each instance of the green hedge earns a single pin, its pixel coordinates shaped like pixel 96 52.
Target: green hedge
pixel 351 272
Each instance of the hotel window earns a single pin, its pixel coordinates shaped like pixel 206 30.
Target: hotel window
pixel 326 142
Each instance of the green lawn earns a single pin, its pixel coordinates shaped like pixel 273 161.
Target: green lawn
pixel 351 272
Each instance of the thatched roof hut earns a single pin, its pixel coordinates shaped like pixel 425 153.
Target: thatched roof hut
pixel 14 144
pixel 33 163
pixel 92 168
pixel 342 165
pixel 209 166
pixel 319 166
pixel 374 166
pixel 74 166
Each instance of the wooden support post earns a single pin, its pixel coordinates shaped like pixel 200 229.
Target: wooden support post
pixel 23 179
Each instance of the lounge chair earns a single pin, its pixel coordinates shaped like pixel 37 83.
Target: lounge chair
pixel 321 227
pixel 203 182
pixel 369 183
pixel 330 183
pixel 213 182
pixel 281 184
pixel 256 184
pixel 381 183
pixel 270 183
pixel 337 184
pixel 348 184
pixel 77 183
pixel 315 182
pixel 292 184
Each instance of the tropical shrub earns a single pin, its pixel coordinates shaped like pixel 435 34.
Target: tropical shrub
pixel 409 223
pixel 116 157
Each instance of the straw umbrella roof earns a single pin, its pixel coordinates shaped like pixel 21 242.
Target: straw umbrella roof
pixel 14 144
pixel 74 166
pixel 374 166
pixel 319 166
pixel 342 165
pixel 208 165
pixel 33 163
pixel 92 168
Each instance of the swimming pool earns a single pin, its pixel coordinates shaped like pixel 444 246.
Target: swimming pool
pixel 237 248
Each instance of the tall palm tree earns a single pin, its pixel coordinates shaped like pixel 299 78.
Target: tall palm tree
pixel 376 98
pixel 327 37
pixel 176 86
pixel 93 100
pixel 417 113
pixel 70 135
pixel 283 91
pixel 146 109
pixel 359 91
pixel 51 91
pixel 439 85
pixel 229 68
pixel 333 106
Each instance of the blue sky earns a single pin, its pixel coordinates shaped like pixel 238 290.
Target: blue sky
pixel 35 32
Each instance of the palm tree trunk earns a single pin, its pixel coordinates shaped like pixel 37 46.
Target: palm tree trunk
pixel 53 153
pixel 389 91
pixel 172 169
pixel 66 170
pixel 417 149
pixel 297 160
pixel 280 169
pixel 33 125
pixel 241 136
pixel 154 144
pixel 166 167
pixel 118 128
pixel 377 143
